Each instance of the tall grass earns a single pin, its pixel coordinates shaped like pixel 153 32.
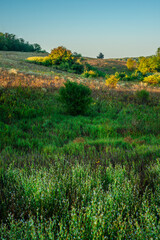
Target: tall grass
pixel 78 177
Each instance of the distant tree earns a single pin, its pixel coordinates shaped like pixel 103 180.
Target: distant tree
pixel 131 64
pixel 9 42
pixel 158 52
pixel 75 54
pixel 2 42
pixel 37 47
pixel 101 56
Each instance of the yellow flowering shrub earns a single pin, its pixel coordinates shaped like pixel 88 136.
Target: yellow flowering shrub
pixel 90 73
pixel 41 60
pixel 112 81
pixel 147 65
pixel 62 58
pixel 152 79
pixel 35 59
pixel 78 61
pixel 60 54
pixel 131 64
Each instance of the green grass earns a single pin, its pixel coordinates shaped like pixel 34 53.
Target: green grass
pixel 95 176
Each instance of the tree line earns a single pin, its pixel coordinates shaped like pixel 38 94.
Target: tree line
pixel 9 42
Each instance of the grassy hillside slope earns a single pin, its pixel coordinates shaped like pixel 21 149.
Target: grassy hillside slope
pixel 95 176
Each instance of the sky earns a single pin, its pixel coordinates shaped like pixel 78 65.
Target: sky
pixel 117 28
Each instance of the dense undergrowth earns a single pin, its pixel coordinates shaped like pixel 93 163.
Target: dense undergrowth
pixel 95 176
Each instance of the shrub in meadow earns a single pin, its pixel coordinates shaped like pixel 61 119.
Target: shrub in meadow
pixel 40 60
pixel 137 76
pixel 133 76
pixel 149 65
pixel 35 59
pixel 73 67
pixel 62 59
pixel 90 74
pixel 152 79
pixel 112 81
pixel 120 75
pixel 142 96
pixel 131 64
pixel 60 54
pixel 91 71
pixel 75 97
pixel 77 67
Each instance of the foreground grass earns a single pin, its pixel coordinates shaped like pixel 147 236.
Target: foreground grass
pixel 85 177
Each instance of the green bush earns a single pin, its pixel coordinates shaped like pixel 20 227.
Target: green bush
pixel 90 74
pixel 89 71
pixel 114 68
pixel 62 59
pixel 142 96
pixel 75 97
pixel 77 68
pixel 135 76
pixel 64 66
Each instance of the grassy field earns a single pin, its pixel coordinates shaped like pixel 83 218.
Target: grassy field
pixel 109 66
pixel 95 176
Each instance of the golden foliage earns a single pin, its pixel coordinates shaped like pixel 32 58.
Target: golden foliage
pixel 89 73
pixel 131 64
pixel 147 65
pixel 60 54
pixel 42 60
pixel 152 79
pixel 112 81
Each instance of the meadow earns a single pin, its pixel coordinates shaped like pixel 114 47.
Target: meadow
pixel 91 176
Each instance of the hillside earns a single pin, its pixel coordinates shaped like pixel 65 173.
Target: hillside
pixel 91 176
pixel 109 66
pixel 16 60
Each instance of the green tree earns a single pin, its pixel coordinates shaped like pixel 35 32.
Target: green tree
pixel 37 47
pixel 100 56
pixel 9 42
pixel 158 52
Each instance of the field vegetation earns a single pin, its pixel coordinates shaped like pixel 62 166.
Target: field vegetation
pixel 90 174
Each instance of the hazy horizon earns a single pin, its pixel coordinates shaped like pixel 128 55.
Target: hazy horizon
pixel 116 28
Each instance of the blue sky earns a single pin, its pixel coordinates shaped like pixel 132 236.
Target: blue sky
pixel 117 28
